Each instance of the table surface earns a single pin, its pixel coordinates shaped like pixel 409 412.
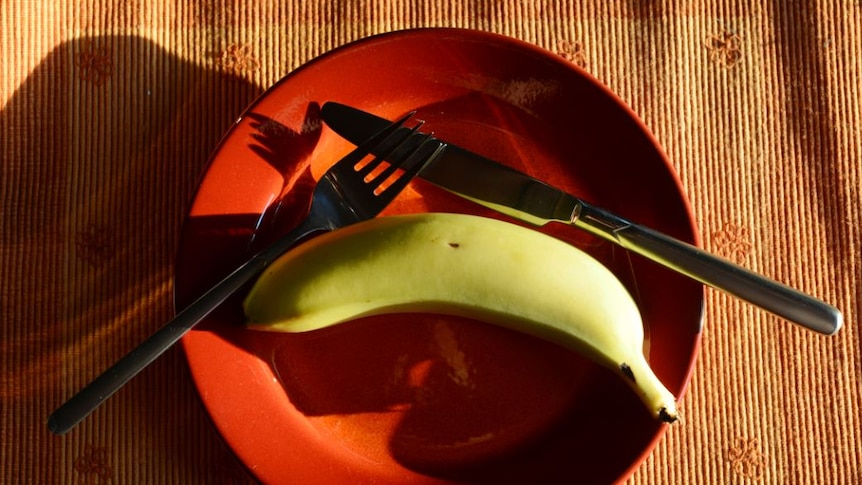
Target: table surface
pixel 109 111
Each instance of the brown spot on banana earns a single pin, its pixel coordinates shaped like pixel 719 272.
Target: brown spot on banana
pixel 627 371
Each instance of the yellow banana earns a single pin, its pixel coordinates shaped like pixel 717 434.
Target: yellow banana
pixel 462 265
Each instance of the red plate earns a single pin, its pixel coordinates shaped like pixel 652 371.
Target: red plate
pixel 427 398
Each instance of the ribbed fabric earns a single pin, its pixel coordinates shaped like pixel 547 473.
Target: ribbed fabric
pixel 109 111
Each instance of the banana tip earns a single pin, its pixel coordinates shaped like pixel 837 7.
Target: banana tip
pixel 667 416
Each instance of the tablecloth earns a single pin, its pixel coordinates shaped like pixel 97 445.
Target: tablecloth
pixel 110 109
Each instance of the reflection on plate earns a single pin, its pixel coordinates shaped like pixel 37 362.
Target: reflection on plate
pixel 427 398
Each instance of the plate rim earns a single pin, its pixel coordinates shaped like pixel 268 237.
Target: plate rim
pixel 472 34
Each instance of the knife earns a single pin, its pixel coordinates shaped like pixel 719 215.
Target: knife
pixel 518 195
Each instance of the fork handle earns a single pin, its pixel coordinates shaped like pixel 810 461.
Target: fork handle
pixel 110 381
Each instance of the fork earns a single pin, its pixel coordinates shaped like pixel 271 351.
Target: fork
pixel 350 191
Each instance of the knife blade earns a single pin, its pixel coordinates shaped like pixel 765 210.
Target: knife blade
pixel 508 191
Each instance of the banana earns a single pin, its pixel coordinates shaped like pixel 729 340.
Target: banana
pixel 462 265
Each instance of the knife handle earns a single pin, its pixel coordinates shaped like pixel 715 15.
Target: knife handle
pixel 711 270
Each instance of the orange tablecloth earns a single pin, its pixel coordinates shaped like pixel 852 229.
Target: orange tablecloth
pixel 110 109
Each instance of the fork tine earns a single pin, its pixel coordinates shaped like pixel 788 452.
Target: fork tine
pixel 365 148
pixel 390 149
pixel 398 162
pixel 365 199
pixel 411 161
